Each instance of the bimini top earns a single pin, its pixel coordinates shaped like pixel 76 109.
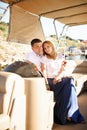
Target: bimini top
pixel 26 12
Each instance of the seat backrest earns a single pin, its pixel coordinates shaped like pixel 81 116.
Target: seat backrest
pixel 39 104
pixel 11 85
pixel 12 99
pixel 81 66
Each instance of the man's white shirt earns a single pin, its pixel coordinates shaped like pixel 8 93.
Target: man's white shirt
pixel 34 58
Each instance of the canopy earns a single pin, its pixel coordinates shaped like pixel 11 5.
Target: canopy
pixel 26 13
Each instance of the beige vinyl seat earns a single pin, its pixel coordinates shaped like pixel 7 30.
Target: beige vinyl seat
pixel 80 76
pixel 78 70
pixel 4 122
pixel 12 102
pixel 39 104
pixel 25 104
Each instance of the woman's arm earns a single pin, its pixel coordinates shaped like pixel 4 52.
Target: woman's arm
pixel 61 73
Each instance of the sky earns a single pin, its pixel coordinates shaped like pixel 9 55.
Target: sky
pixel 75 32
pixel 6 16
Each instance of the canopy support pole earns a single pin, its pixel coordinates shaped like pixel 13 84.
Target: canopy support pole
pixel 55 29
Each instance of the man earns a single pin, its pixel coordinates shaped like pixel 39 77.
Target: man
pixel 31 66
pixel 36 54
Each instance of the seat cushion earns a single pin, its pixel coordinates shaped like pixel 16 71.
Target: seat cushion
pixel 80 79
pixel 4 122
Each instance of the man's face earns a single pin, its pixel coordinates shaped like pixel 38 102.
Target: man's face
pixel 37 48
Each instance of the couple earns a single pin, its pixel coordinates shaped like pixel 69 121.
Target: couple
pixel 53 66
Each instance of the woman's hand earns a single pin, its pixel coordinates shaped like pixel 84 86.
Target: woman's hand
pixel 56 80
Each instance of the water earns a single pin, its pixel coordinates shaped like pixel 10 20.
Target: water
pixel 77 57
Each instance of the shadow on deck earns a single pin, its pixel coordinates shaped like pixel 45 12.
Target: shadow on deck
pixel 82 100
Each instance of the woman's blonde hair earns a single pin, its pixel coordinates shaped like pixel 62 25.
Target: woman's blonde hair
pixel 53 54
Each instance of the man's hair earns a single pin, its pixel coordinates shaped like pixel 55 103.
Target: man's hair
pixel 36 40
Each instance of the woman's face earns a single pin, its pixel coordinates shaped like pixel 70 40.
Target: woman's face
pixel 47 48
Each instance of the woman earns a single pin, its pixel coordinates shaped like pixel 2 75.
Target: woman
pixel 53 68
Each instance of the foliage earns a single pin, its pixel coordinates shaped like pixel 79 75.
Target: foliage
pixel 4 29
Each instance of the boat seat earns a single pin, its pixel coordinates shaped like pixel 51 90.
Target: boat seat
pixel 4 122
pixel 25 104
pixel 78 70
pixel 12 101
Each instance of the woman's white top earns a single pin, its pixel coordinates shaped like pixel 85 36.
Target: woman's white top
pixel 52 66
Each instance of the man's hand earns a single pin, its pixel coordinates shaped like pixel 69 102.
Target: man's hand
pixel 47 87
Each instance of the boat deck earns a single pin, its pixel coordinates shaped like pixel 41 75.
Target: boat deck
pixel 82 100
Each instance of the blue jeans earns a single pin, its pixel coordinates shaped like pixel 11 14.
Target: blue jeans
pixel 66 101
